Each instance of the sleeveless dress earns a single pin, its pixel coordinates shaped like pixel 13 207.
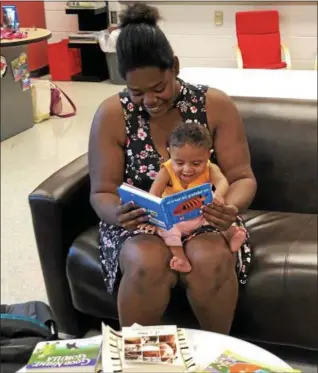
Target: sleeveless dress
pixel 142 162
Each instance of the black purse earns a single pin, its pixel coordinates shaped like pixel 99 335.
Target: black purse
pixel 22 326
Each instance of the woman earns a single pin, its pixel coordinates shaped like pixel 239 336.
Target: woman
pixel 127 143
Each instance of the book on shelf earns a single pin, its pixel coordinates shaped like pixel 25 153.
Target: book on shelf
pixel 73 355
pixel 167 211
pixel 230 362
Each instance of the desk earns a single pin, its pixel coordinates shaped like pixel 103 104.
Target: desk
pixel 16 104
pixel 285 84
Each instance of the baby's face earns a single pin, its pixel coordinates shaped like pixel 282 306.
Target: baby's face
pixel 188 162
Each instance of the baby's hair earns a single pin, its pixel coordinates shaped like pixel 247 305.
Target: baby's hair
pixel 190 133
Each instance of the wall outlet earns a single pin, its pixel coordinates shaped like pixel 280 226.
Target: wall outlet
pixel 218 18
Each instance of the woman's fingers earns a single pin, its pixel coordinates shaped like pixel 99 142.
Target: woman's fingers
pixel 138 215
pixel 219 215
pixel 225 209
pixel 222 217
pixel 133 224
pixel 216 222
pixel 123 208
pixel 130 216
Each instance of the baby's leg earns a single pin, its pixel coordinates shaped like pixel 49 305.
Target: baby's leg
pixel 172 238
pixel 235 236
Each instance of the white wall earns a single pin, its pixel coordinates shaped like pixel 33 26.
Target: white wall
pixel 58 22
pixel 199 42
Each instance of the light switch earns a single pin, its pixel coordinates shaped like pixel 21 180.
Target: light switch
pixel 218 18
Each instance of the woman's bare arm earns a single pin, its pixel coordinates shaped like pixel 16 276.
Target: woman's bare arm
pixel 106 144
pixel 218 180
pixel 231 148
pixel 160 183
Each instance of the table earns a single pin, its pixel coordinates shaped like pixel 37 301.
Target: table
pixel 16 104
pixel 258 83
pixel 207 346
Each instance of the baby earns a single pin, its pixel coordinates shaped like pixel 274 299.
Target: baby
pixel 189 165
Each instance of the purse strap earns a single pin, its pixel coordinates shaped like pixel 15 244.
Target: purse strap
pixel 69 100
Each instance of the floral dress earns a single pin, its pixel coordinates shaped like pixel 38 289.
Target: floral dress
pixel 142 162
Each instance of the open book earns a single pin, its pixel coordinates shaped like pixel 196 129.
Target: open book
pixel 165 212
pixel 161 348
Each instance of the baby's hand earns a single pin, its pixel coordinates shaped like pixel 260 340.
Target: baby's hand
pixel 218 200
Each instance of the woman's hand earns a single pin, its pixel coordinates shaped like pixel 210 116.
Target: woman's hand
pixel 220 215
pixel 130 216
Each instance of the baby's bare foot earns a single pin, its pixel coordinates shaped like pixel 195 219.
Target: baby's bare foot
pixel 180 264
pixel 237 239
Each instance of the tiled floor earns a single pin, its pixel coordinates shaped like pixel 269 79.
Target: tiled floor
pixel 26 160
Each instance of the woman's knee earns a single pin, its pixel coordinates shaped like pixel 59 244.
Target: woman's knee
pixel 146 258
pixel 210 256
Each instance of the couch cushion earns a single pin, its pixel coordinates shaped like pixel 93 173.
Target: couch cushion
pixel 279 303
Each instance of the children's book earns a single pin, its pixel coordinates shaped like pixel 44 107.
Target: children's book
pixel 161 348
pixel 229 362
pixel 73 355
pixel 167 211
pixel 111 351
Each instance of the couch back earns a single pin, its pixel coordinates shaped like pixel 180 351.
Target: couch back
pixel 282 136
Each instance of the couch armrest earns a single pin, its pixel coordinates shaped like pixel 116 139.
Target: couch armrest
pixel 60 211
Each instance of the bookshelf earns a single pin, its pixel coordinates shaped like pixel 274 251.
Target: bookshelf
pixel 94 65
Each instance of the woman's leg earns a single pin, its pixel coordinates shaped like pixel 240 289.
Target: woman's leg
pixel 212 286
pixel 144 290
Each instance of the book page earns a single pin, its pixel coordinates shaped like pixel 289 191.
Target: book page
pixel 156 345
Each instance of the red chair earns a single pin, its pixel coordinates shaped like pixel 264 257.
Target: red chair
pixel 259 45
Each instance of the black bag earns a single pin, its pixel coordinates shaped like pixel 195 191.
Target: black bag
pixel 22 327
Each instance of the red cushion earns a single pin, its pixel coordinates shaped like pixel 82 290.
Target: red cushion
pixel 257 22
pixel 259 51
pixel 259 39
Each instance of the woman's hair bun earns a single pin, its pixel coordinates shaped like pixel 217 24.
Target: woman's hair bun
pixel 139 13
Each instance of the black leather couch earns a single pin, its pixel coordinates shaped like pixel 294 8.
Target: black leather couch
pixel 277 309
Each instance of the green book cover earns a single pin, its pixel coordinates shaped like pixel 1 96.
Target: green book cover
pixel 229 362
pixel 74 353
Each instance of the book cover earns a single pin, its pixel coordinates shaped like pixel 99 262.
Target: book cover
pixel 73 353
pixel 187 205
pixel 165 212
pixel 229 362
